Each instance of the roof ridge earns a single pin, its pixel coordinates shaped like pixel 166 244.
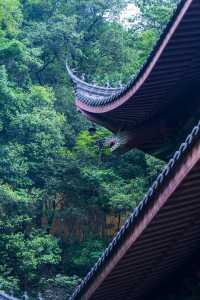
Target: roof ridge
pixel 120 92
pixel 4 296
pixel 134 217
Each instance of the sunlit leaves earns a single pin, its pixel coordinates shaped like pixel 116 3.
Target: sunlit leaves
pixel 10 17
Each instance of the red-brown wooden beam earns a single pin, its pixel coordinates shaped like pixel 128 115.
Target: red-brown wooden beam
pixel 177 178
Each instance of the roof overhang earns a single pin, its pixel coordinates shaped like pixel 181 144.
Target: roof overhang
pixel 168 81
pixel 4 296
pixel 158 238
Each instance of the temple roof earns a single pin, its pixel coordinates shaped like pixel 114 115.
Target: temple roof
pixel 93 92
pixel 158 238
pixel 168 82
pixel 163 232
pixel 4 296
pixel 172 42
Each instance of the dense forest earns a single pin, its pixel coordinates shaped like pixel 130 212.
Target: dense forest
pixel 61 197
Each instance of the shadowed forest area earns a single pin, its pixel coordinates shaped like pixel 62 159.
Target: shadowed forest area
pixel 62 198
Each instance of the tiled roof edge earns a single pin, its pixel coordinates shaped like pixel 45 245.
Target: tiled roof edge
pixel 138 211
pixel 4 296
pixel 94 102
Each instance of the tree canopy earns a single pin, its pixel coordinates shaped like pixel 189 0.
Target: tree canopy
pixel 61 199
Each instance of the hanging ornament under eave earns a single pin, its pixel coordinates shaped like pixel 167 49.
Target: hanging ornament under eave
pixel 92 129
pixel 116 141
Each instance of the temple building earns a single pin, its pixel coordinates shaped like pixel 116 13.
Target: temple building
pixel 4 296
pixel 154 112
pixel 159 106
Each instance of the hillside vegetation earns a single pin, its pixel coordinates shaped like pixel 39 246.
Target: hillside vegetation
pixel 61 198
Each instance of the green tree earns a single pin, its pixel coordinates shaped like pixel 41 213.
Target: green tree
pixel 50 166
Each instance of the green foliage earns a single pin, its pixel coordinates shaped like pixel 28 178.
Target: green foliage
pixel 59 287
pixel 27 257
pixel 10 17
pixel 7 282
pixel 153 167
pixel 125 196
pixel 84 255
pixel 14 165
pixel 156 13
pixel 88 144
pixel 14 206
pixel 51 168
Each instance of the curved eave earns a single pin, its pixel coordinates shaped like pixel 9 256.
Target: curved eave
pixel 153 243
pixel 90 90
pixel 165 55
pixel 4 296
